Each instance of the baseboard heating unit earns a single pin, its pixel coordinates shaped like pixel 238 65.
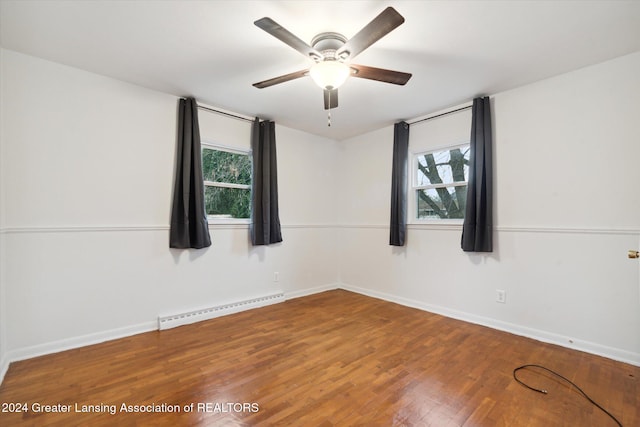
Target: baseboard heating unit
pixel 168 322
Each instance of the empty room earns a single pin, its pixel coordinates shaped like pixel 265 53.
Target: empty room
pixel 319 213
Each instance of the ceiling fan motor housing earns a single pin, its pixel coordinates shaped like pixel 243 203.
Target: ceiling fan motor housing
pixel 328 43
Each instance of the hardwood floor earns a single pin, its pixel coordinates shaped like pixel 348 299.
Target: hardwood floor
pixel 330 359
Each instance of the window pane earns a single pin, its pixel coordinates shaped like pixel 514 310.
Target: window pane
pixel 439 203
pixel 223 166
pixel 228 202
pixel 443 167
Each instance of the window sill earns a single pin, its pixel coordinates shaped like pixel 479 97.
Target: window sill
pixel 228 222
pixel 443 224
pixel 438 221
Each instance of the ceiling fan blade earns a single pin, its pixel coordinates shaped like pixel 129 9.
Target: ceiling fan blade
pixel 383 24
pixel 330 99
pixel 281 79
pixel 380 74
pixel 284 35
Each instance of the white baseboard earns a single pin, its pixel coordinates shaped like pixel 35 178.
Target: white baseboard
pixel 311 291
pixel 81 341
pixel 4 367
pixel 617 354
pixel 544 336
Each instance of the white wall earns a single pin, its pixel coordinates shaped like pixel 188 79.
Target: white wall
pixel 4 362
pixel 566 212
pixel 88 174
pixel 86 181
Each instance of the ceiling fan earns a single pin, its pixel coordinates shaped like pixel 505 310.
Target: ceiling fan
pixel 331 53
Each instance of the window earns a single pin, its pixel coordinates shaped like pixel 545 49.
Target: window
pixel 227 182
pixel 440 183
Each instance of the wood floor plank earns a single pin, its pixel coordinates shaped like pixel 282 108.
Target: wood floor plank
pixel 330 359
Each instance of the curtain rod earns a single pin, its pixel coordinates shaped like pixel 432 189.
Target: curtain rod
pixel 213 110
pixel 440 115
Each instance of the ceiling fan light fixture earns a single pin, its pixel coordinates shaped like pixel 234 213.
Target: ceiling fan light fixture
pixel 329 74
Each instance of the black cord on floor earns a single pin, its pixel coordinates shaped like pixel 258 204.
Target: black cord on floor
pixel 515 377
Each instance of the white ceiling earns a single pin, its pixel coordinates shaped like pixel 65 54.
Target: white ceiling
pixel 456 50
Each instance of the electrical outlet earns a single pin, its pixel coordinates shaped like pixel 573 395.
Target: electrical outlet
pixel 276 276
pixel 501 296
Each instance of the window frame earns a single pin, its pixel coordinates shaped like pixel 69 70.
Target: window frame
pixel 414 187
pixel 221 219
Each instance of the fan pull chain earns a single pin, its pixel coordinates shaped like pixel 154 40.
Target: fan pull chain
pixel 329 110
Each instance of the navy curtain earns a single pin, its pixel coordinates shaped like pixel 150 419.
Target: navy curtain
pixel 189 227
pixel 398 225
pixel 265 218
pixel 477 231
